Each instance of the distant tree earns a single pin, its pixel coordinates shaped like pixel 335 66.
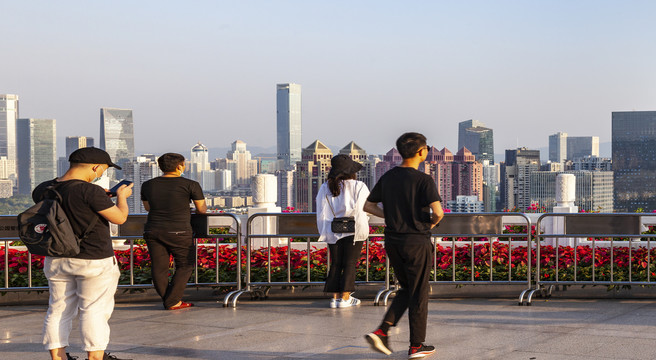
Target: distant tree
pixel 15 204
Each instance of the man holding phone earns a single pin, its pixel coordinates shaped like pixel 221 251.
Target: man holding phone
pixel 168 228
pixel 85 283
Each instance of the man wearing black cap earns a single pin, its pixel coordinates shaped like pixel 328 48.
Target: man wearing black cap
pixel 87 282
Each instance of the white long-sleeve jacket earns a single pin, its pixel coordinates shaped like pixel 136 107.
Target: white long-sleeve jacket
pixel 349 203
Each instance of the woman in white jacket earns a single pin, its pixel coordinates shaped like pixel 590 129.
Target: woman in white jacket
pixel 342 196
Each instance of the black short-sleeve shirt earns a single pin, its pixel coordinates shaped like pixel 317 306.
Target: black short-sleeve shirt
pixel 406 194
pixel 82 201
pixel 169 198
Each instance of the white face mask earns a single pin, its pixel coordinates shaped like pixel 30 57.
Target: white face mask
pixel 97 178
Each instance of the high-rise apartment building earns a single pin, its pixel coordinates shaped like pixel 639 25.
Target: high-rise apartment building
pixel 241 164
pixel 467 174
pixel 634 160
pixel 77 142
pixel 139 170
pixel 368 172
pixel 391 159
pixel 440 166
pixel 117 136
pixel 199 161
pixel 36 152
pixel 515 177
pixel 311 172
pixel 288 116
pixel 558 147
pixel 473 135
pixel 594 189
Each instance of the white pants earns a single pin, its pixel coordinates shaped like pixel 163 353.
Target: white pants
pixel 87 286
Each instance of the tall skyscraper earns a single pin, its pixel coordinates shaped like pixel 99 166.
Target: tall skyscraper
pixel 558 147
pixel 117 136
pixel 199 161
pixel 139 170
pixel 440 164
pixel 490 186
pixel 77 142
pixel 467 174
pixel 310 173
pixel 242 165
pixel 285 188
pixel 288 109
pixel 36 152
pixel 634 160
pixel 516 173
pixel 473 135
pixel 582 146
pixel 8 117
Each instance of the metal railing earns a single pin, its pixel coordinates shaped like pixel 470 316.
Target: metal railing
pixel 481 238
pixel 282 228
pixel 130 231
pixel 593 249
pixel 622 252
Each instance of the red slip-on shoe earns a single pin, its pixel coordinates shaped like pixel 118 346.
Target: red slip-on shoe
pixel 181 305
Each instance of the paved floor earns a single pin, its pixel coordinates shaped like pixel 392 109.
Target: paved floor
pixel 302 328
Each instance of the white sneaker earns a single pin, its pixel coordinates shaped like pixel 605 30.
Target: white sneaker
pixel 352 301
pixel 333 303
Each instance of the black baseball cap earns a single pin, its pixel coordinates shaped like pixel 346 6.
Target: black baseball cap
pixel 343 164
pixel 91 155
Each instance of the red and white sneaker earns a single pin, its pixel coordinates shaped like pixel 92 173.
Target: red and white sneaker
pixel 418 352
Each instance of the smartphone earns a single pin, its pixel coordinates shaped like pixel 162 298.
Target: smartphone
pixel 112 191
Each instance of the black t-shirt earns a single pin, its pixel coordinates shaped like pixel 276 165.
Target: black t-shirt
pixel 406 194
pixel 168 198
pixel 82 201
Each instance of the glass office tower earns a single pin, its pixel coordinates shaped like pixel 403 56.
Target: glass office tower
pixel 473 135
pixel 634 160
pixel 288 110
pixel 36 152
pixel 117 136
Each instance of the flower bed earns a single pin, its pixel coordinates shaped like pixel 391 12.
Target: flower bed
pixel 497 258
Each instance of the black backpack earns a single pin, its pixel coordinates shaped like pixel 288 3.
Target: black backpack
pixel 45 229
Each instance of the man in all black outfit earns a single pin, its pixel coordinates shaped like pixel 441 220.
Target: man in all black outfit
pixel 411 208
pixel 168 228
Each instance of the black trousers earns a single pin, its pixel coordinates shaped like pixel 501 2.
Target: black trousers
pixel 343 256
pixel 162 244
pixel 411 261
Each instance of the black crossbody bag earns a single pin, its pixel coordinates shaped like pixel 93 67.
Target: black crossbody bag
pixel 341 224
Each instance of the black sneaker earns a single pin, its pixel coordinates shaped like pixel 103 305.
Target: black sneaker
pixel 111 357
pixel 379 341
pixel 70 357
pixel 418 352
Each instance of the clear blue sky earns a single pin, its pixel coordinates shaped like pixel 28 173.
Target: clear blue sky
pixel 370 70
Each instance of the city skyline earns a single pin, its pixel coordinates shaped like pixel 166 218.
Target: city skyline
pixel 410 67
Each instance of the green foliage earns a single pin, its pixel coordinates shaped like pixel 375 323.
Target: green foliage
pixel 15 204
